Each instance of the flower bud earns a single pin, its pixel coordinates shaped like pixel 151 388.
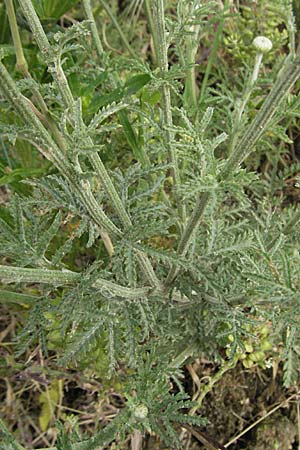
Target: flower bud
pixel 262 44
pixel 141 412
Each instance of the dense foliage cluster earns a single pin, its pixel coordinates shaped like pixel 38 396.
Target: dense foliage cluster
pixel 139 232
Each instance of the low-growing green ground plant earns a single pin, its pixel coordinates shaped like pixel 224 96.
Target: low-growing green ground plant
pixel 139 165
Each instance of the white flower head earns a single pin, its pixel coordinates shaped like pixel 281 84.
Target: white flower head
pixel 141 412
pixel 262 44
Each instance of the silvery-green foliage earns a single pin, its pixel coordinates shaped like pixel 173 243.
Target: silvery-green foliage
pixel 198 246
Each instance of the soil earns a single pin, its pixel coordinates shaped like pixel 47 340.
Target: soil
pixel 241 398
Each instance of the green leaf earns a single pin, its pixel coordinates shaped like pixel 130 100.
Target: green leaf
pixel 21 173
pixel 290 369
pixel 48 400
pixel 7 440
pixel 151 97
pixel 9 297
pixel 104 113
pixel 83 344
pixel 131 87
pixel 48 235
pixel 132 139
pixel 135 83
pixel 4 26
pixel 53 9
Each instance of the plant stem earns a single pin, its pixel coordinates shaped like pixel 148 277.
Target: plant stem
pixel 118 28
pixel 161 51
pixel 212 56
pixel 69 101
pixel 44 45
pixel 189 232
pixel 89 14
pixel 60 78
pixel 190 83
pixel 21 105
pixel 201 394
pixel 192 44
pixel 21 61
pixel 262 119
pixel 241 104
pixel 10 274
pixel 23 68
pixel 151 26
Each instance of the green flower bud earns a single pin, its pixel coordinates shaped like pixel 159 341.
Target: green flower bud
pixel 248 347
pixel 247 363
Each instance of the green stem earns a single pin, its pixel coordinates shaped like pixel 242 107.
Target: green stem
pixel 23 68
pixel 213 52
pixel 41 39
pixel 21 106
pixel 10 274
pixel 192 44
pixel 241 104
pixel 189 232
pixel 209 386
pixel 190 94
pixel 4 27
pixel 61 80
pixel 69 101
pixel 118 28
pixel 151 26
pixel 21 61
pixel 89 14
pixel 162 58
pixel 262 119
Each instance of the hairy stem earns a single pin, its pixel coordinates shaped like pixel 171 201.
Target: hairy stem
pixel 190 84
pixel 212 56
pixel 161 51
pixel 9 274
pixel 89 14
pixel 23 68
pixel 151 26
pixel 189 232
pixel 69 101
pixel 241 103
pixel 22 107
pixel 192 44
pixel 262 119
pixel 44 45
